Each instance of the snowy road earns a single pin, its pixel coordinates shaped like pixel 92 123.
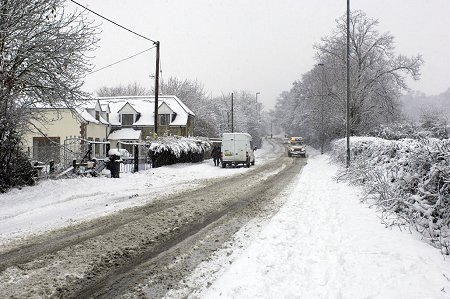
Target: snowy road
pixel 208 242
pixel 146 250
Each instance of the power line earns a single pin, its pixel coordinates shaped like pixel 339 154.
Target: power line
pixel 117 62
pixel 109 20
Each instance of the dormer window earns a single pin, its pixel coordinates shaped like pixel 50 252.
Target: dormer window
pixel 97 115
pixel 164 119
pixel 127 119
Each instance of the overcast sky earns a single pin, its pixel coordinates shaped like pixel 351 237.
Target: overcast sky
pixel 258 46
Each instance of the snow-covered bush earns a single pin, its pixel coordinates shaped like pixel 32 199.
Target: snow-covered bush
pixel 399 130
pixel 173 149
pixel 395 131
pixel 408 178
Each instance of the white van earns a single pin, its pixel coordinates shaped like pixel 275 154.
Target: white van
pixel 237 148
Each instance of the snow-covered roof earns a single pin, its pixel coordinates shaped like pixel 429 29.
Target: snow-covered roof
pixel 125 134
pixel 145 106
pixel 87 116
pixel 105 108
pixel 87 111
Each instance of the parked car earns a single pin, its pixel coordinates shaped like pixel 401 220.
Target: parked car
pixel 296 147
pixel 237 148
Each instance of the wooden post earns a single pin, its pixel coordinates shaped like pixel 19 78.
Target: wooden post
pixel 136 158
pixel 52 167
pixel 89 151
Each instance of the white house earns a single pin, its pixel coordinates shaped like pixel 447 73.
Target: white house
pixel 109 119
pixel 132 118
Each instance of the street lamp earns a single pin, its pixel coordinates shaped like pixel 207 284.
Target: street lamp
pixel 347 127
pixel 322 135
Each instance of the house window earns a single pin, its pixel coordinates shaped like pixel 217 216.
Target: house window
pixel 97 115
pixel 127 119
pixel 164 119
pixel 46 148
pixel 97 147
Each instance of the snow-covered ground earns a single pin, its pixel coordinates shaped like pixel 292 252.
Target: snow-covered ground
pixel 58 203
pixel 323 243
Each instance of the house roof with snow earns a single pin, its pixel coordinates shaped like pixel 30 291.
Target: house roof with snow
pixel 109 111
pixel 85 111
pixel 144 108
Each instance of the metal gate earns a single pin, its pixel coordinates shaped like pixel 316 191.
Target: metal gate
pixel 134 155
pixel 82 150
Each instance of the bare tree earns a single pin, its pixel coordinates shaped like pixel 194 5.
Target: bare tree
pixel 213 114
pixel 315 107
pixel 194 96
pixel 190 92
pixel 377 73
pixel 42 54
pixel 132 89
pixel 42 63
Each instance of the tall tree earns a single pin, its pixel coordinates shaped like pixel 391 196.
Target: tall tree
pixel 213 114
pixel 42 55
pixel 315 107
pixel 42 63
pixel 378 75
pixel 193 94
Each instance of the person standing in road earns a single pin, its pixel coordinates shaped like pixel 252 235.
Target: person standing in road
pixel 215 154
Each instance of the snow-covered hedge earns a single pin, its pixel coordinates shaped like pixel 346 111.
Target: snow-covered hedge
pixel 401 130
pixel 406 178
pixel 173 149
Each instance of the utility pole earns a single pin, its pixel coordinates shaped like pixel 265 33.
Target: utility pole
pixel 232 114
pixel 156 87
pixel 348 85
pixel 257 108
pixel 271 129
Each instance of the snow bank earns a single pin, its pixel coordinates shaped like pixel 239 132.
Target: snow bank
pixel 406 178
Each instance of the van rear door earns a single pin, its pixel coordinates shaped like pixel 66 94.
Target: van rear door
pixel 240 148
pixel 228 148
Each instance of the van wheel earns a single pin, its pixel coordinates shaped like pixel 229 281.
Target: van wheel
pixel 253 163
pixel 224 165
pixel 247 164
